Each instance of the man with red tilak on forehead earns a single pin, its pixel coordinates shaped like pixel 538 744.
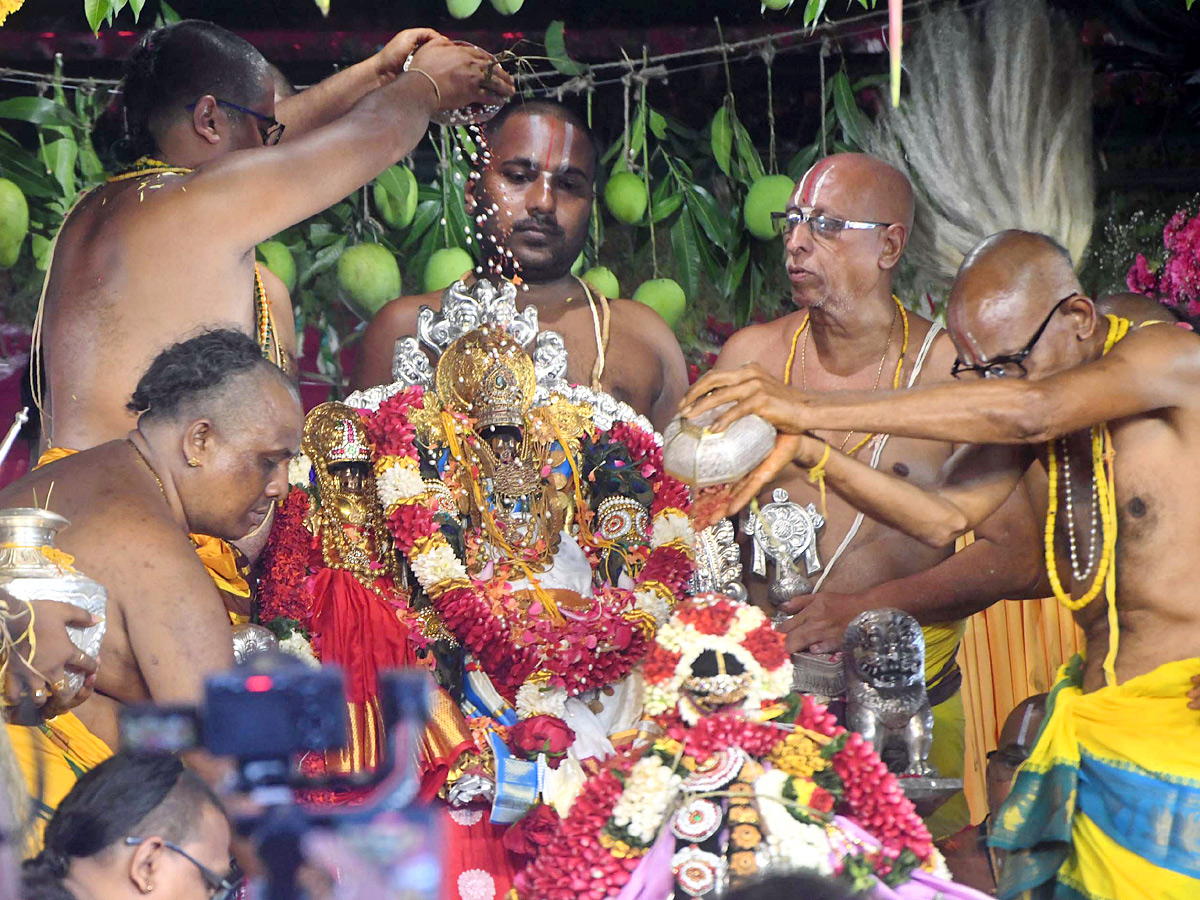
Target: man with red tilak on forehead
pixel 845 230
pixel 539 188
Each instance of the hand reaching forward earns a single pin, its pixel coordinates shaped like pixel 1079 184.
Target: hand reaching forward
pixel 751 389
pixel 463 73
pixel 389 62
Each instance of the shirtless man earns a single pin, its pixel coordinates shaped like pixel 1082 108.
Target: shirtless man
pixel 1106 804
pixel 542 178
pixel 857 337
pixel 217 425
pixel 152 259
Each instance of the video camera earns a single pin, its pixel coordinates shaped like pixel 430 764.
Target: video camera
pixel 267 713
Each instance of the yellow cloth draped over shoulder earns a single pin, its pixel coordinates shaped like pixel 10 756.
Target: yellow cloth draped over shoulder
pixel 55 754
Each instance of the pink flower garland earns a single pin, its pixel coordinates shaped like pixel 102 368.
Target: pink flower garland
pixel 587 652
pixel 1177 282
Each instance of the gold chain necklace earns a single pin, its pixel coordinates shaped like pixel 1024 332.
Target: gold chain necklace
pixel 878 374
pixel 147 166
pixel 157 480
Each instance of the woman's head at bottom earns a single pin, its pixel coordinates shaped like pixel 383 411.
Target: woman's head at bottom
pixel 137 824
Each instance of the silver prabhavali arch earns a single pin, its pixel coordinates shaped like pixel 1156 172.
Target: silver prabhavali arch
pixel 465 308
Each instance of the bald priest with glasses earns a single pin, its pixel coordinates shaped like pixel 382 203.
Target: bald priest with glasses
pixel 845 230
pixel 1107 804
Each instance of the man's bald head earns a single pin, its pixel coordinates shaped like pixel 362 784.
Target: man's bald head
pixel 858 186
pixel 1007 285
pixel 834 269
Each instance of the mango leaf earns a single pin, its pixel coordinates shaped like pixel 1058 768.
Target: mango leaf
pixel 877 80
pixel 685 242
pixel 136 6
pixel 392 183
pixel 59 157
pixel 658 125
pixel 612 152
pixel 751 161
pixel 854 123
pixel 322 260
pixel 96 12
pixel 667 207
pixel 26 171
pixel 427 215
pixel 323 6
pixel 734 273
pixel 556 50
pixel 637 133
pixel 703 207
pixel 166 15
pixel 89 162
pixel 803 160
pixel 38 111
pixel 722 139
pixel 812 11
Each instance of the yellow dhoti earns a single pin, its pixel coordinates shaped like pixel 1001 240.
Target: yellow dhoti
pixel 1108 805
pixel 52 757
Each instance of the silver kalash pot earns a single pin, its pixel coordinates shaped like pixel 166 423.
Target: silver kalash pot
pixel 32 568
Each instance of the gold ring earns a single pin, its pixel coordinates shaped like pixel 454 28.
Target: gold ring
pixel 59 686
pixel 40 694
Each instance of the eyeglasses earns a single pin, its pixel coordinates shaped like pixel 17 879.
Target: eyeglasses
pixel 219 887
pixel 1009 365
pixel 821 225
pixel 270 135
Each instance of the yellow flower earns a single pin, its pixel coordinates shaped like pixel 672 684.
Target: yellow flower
pixel 7 7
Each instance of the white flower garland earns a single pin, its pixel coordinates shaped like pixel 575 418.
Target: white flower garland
pixel 399 482
pixel 650 791
pixel 536 700
pixel 792 843
pixel 436 565
pixel 295 645
pixel 300 471
pixel 670 526
pixel 652 602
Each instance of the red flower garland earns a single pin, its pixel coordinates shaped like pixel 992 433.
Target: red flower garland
pixel 576 865
pixel 281 592
pixel 588 652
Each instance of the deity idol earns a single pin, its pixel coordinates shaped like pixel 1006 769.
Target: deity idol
pixel 334 592
pixel 521 528
pixel 746 777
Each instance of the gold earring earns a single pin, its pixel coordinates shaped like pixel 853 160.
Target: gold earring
pixel 147 889
pixel 193 462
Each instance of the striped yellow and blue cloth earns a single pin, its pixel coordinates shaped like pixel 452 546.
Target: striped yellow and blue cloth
pixel 1108 805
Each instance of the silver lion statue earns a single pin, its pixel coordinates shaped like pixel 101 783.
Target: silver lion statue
pixel 885 685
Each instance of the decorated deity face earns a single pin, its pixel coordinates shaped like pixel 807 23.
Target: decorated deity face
pixel 718 680
pixel 351 477
pixel 505 444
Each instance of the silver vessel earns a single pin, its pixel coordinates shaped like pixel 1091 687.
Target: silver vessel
pixel 32 568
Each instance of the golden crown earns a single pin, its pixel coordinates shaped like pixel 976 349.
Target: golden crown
pixel 334 433
pixel 485 374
